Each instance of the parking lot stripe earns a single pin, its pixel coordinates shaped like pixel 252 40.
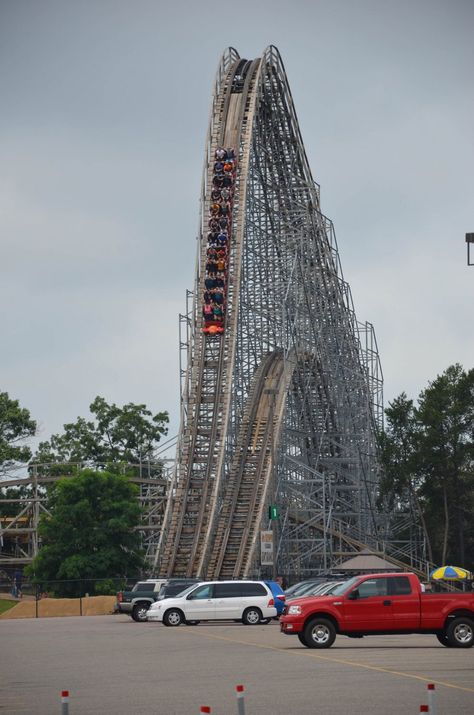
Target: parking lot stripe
pixel 310 654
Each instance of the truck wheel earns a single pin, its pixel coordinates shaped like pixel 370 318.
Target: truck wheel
pixel 301 638
pixel 443 639
pixel 139 612
pixel 319 633
pixel 460 632
pixel 173 617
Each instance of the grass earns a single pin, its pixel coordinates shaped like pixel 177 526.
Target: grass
pixel 6 605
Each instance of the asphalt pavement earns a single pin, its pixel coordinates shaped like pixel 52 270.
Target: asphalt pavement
pixel 110 664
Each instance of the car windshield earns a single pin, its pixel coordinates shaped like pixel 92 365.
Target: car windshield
pixel 339 590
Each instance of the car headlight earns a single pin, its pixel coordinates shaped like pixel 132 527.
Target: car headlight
pixel 294 610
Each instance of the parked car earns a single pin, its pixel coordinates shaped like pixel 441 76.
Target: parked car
pixel 302 586
pixel 278 595
pixel 323 589
pixel 248 601
pixel 137 601
pixel 379 604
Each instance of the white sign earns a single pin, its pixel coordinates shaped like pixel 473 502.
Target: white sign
pixel 266 548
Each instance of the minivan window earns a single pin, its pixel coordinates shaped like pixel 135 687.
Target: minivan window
pixel 227 590
pixel 201 592
pixel 253 589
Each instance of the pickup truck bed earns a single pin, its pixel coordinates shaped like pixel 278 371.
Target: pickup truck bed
pixel 381 604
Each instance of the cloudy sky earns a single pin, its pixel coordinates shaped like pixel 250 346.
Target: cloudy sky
pixel 104 109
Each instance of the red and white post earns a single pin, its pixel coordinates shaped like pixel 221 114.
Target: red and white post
pixel 431 698
pixel 64 702
pixel 204 709
pixel 424 709
pixel 239 689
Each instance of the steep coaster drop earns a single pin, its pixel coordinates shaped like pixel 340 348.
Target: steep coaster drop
pixel 282 395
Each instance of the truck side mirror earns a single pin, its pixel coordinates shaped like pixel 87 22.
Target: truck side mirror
pixel 354 595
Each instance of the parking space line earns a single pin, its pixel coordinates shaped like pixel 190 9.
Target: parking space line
pixel 311 654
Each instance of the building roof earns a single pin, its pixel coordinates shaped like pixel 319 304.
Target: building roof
pixel 367 561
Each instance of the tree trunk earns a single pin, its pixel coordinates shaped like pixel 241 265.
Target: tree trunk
pixel 423 522
pixel 446 524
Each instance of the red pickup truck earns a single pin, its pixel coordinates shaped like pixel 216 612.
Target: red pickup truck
pixel 381 604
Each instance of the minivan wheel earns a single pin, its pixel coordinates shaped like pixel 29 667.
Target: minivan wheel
pixel 460 632
pixel 251 616
pixel 139 612
pixel 173 617
pixel 193 623
pixel 265 621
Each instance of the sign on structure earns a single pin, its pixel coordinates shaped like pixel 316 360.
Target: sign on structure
pixel 266 548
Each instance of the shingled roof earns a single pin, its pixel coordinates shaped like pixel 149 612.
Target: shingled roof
pixel 367 561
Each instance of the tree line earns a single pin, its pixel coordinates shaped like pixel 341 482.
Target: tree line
pixel 427 457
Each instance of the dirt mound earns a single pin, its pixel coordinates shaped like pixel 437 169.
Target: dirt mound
pixel 53 607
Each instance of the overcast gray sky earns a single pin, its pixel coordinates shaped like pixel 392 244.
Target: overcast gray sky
pixel 104 109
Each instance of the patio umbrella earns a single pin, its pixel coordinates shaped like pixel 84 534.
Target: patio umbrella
pixel 450 573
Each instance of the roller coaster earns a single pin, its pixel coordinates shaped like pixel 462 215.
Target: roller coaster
pixel 281 385
pixel 281 395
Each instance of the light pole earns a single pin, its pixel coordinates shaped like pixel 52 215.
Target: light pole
pixel 469 240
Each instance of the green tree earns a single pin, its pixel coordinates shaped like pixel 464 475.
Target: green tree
pixel 398 449
pixel 16 426
pixel 427 453
pixel 89 533
pixel 446 456
pixel 128 434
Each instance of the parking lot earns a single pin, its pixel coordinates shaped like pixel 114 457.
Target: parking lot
pixel 111 664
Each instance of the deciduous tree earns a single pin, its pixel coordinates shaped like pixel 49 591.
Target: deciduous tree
pixel 90 533
pixel 128 434
pixel 16 426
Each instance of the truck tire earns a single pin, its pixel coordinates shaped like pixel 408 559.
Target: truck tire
pixel 173 618
pixel 319 633
pixel 443 639
pixel 460 632
pixel 139 612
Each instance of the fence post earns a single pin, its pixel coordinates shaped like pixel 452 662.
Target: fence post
pixel 36 601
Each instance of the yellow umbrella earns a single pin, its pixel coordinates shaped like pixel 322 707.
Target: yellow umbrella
pixel 450 573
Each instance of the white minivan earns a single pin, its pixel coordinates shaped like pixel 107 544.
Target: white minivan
pixel 252 602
